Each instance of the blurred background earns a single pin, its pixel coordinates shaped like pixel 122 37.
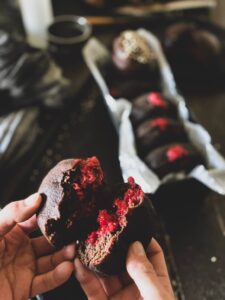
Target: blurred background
pixel 51 108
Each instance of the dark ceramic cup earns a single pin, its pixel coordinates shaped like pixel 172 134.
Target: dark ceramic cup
pixel 67 34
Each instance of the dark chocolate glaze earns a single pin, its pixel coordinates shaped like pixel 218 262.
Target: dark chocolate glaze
pixel 194 49
pixel 158 132
pixel 143 109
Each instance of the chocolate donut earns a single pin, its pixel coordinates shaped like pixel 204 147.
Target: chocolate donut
pixel 158 132
pixel 193 49
pixel 70 204
pixel 129 218
pixel 173 158
pixel 105 221
pixel 152 105
pixel 132 55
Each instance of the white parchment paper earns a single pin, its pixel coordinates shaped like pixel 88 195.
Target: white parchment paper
pixel 213 175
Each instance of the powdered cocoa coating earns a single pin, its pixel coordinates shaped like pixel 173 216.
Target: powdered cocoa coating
pixel 53 194
pixel 70 190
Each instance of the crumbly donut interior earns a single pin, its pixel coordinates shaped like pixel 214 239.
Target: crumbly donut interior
pixel 88 213
pixel 112 220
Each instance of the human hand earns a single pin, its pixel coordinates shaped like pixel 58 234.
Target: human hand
pixel 147 277
pixel 29 266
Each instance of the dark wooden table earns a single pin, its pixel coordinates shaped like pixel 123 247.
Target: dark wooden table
pixel 194 221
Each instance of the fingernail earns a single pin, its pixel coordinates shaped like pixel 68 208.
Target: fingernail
pixel 77 262
pixel 138 249
pixel 30 201
pixel 69 251
pixel 77 268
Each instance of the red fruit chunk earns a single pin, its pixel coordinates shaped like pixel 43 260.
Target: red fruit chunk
pixel 160 123
pixel 176 152
pixel 90 175
pixel 109 222
pixel 155 99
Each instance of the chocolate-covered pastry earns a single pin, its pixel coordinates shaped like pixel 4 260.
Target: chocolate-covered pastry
pixel 133 69
pixel 175 32
pixel 193 48
pixel 132 54
pixel 28 74
pixel 79 207
pixel 70 204
pixel 152 105
pixel 129 218
pixel 173 158
pixel 132 88
pixel 158 132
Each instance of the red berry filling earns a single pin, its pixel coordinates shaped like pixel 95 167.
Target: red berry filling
pixel 155 99
pixel 160 123
pixel 110 221
pixel 78 184
pixel 85 173
pixel 91 173
pixel 176 152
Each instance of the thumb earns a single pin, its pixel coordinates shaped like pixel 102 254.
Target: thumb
pixel 142 272
pixel 17 212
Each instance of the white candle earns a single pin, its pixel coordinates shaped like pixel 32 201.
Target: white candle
pixel 36 15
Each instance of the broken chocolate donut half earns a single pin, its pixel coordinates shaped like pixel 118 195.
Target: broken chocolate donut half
pixel 80 207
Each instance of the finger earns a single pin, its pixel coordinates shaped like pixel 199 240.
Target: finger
pixel 48 263
pixel 48 281
pixel 157 259
pixel 89 282
pixel 30 225
pixel 17 212
pixel 142 272
pixel 111 284
pixel 129 292
pixel 156 256
pixel 41 246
